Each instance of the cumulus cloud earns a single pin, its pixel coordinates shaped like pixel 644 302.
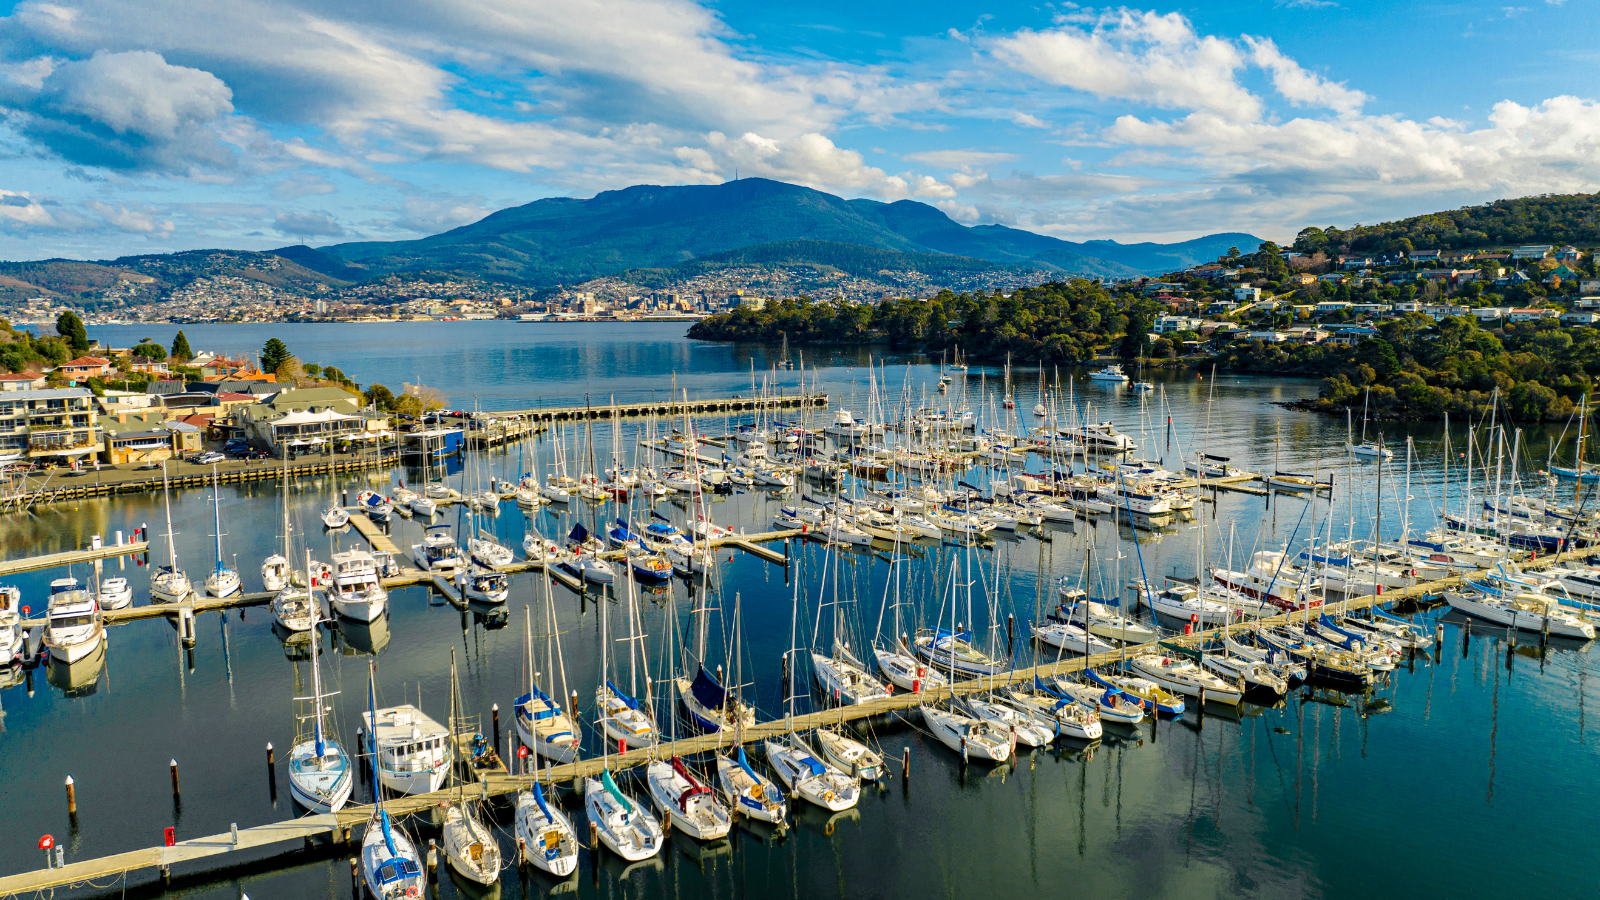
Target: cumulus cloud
pixel 1299 86
pixel 431 215
pixel 20 211
pixel 809 159
pixel 131 220
pixel 306 225
pixel 1152 59
pixel 130 111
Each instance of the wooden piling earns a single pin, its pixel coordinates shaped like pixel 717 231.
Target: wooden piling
pixel 174 778
pixel 72 799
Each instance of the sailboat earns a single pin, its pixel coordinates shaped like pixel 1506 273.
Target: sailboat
pixel 541 723
pixel 468 844
pixel 798 768
pixel 626 828
pixel 223 581
pixel 749 792
pixel 168 584
pixel 275 568
pixel 389 862
pixel 1365 448
pixel 623 717
pixel 320 774
pixel 840 674
pixel 543 830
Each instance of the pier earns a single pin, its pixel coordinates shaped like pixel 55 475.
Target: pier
pixel 669 408
pixel 71 557
pixel 339 827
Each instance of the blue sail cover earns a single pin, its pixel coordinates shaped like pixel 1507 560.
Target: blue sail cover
pixel 579 534
pixel 707 692
pixel 631 702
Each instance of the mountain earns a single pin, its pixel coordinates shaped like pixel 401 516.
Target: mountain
pixel 563 240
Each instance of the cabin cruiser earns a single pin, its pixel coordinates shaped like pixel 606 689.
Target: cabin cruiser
pixel 438 552
pixel 413 751
pixel 1112 372
pixel 115 593
pixel 74 629
pixel 355 591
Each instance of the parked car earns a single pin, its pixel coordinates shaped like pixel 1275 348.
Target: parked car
pixel 209 457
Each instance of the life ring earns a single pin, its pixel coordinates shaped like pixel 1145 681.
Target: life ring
pixel 828 828
pixel 827 796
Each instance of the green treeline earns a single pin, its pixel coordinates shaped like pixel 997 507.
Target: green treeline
pixel 1061 322
pixel 1419 370
pixel 1555 219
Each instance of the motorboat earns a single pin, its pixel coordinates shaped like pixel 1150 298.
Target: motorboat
pixel 438 552
pixel 355 591
pixel 74 629
pixel 626 828
pixel 275 573
pixel 689 805
pixel 335 517
pixel 115 593
pixel 480 585
pixel 413 751
pixel 1111 373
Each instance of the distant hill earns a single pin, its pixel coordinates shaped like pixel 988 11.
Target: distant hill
pixel 154 275
pixel 1549 219
pixel 562 240
pixel 826 256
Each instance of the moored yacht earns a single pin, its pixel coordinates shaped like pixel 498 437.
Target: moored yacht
pixel 356 592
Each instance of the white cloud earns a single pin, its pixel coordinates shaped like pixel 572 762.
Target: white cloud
pixel 957 159
pixel 1151 59
pixel 1298 86
pixel 129 110
pixel 809 159
pixel 306 225
pixel 20 211
pixel 131 221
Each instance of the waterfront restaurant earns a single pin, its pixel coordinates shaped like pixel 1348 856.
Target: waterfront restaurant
pixel 297 422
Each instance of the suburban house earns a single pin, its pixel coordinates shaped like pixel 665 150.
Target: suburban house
pixel 132 437
pixel 1568 254
pixel 1417 257
pixel 22 381
pixel 1580 317
pixel 1531 313
pixel 1169 324
pixel 85 367
pixel 1532 251
pixel 1246 294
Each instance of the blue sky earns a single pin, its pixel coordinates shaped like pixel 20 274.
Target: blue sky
pixel 144 126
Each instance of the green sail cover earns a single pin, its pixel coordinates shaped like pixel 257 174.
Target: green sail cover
pixel 612 789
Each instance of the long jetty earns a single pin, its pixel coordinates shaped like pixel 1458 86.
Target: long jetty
pixel 339 827
pixel 711 406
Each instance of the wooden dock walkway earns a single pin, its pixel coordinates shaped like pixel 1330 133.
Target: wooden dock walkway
pixel 339 825
pixel 71 557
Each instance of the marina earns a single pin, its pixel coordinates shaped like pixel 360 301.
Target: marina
pixel 769 582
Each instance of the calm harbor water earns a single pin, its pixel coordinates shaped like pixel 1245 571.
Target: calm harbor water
pixel 1326 795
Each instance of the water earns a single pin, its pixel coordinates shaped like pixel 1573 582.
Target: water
pixel 1401 791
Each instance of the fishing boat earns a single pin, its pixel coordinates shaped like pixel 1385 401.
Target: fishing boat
pixel 115 593
pixel 74 629
pixel 749 792
pixel 390 865
pixel 413 751
pixel 356 591
pixel 690 806
pixel 321 776
pixel 626 828
pixel 972 738
pixel 168 583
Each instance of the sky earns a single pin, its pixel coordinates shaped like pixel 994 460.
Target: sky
pixel 147 126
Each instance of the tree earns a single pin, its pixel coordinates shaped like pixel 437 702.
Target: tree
pixel 273 354
pixel 1137 340
pixel 429 398
pixel 180 348
pixel 378 396
pixel 290 371
pixel 71 329
pixel 148 349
